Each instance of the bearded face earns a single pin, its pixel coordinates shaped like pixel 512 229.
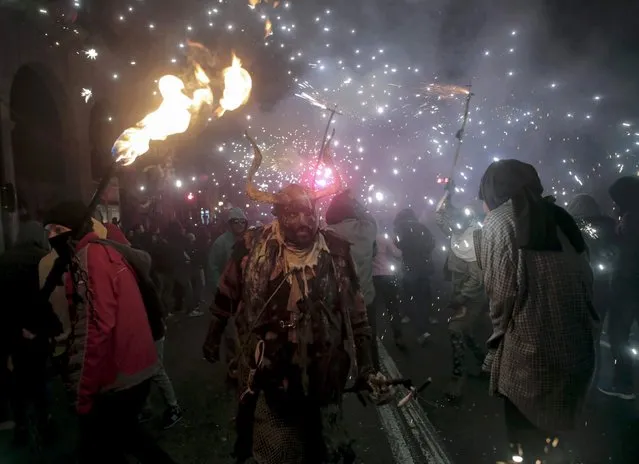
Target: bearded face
pixel 298 219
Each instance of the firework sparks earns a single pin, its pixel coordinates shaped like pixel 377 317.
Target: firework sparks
pixel 86 94
pixel 91 53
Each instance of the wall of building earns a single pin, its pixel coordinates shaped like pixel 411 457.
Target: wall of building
pixel 46 148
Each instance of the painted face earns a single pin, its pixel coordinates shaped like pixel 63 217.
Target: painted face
pixel 297 216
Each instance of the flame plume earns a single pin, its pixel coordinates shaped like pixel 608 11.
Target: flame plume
pixel 174 114
pixel 237 87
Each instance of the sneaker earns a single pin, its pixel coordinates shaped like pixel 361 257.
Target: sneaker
pixel 618 392
pixel 423 337
pixel 454 388
pixel 172 416
pixel 196 313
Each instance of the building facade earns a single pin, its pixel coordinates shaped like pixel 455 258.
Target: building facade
pixel 53 141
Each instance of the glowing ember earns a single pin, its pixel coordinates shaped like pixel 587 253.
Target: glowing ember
pixel 268 28
pixel 237 87
pixel 446 91
pixel 174 114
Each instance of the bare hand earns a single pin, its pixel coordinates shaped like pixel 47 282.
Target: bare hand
pixel 381 393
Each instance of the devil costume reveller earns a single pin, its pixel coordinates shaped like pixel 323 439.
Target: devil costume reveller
pixel 303 329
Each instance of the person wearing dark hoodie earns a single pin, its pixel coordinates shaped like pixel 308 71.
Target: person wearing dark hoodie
pixel 176 247
pixel 416 243
pixel 141 260
pixel 347 217
pixel 625 287
pixel 112 355
pixel 27 326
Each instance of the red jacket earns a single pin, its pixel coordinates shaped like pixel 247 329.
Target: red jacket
pixel 111 345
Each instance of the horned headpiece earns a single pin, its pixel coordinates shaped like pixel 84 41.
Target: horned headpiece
pixel 283 196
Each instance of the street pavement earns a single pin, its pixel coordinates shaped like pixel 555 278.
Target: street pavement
pixel 472 430
pixel 428 430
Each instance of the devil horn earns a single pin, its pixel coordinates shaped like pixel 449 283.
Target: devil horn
pixel 253 192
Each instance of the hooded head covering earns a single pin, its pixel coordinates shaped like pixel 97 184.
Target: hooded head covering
pixel 115 234
pixel 236 213
pixel 69 214
pixel 342 207
pixel 32 233
pixel 625 193
pixel 536 218
pixel 405 215
pixel 583 206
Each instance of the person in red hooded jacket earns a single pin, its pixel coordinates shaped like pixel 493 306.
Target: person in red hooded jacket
pixel 112 354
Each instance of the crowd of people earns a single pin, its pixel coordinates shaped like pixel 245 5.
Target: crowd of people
pixel 296 304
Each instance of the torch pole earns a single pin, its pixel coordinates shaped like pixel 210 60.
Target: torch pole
pixel 460 133
pixel 62 262
pixel 324 140
pixel 99 191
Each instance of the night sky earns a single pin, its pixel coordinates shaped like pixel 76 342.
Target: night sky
pixel 554 84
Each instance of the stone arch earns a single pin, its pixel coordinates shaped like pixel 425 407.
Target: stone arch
pixel 40 117
pixel 102 134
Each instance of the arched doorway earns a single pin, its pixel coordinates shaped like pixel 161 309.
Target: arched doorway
pixel 38 137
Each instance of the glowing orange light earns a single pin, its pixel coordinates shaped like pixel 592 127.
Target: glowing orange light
pixel 174 114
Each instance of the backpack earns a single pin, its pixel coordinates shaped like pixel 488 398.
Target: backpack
pixel 148 290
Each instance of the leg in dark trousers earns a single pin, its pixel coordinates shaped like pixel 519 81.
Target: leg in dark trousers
pixel 387 293
pixel 416 298
pixel 371 310
pixel 183 283
pixel 30 384
pixel 622 317
pixel 111 430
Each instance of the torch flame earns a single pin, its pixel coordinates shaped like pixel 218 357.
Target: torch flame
pixel 254 3
pixel 174 114
pixel 237 87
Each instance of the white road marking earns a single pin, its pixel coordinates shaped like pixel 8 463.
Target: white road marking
pixel 423 433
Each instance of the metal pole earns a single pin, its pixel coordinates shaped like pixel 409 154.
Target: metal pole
pixel 460 133
pixel 324 139
pixel 64 259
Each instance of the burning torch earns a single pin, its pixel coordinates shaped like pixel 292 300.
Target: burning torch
pixel 173 116
pixel 460 133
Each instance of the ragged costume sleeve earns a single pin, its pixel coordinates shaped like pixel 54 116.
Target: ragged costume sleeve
pixel 499 257
pixel 227 300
